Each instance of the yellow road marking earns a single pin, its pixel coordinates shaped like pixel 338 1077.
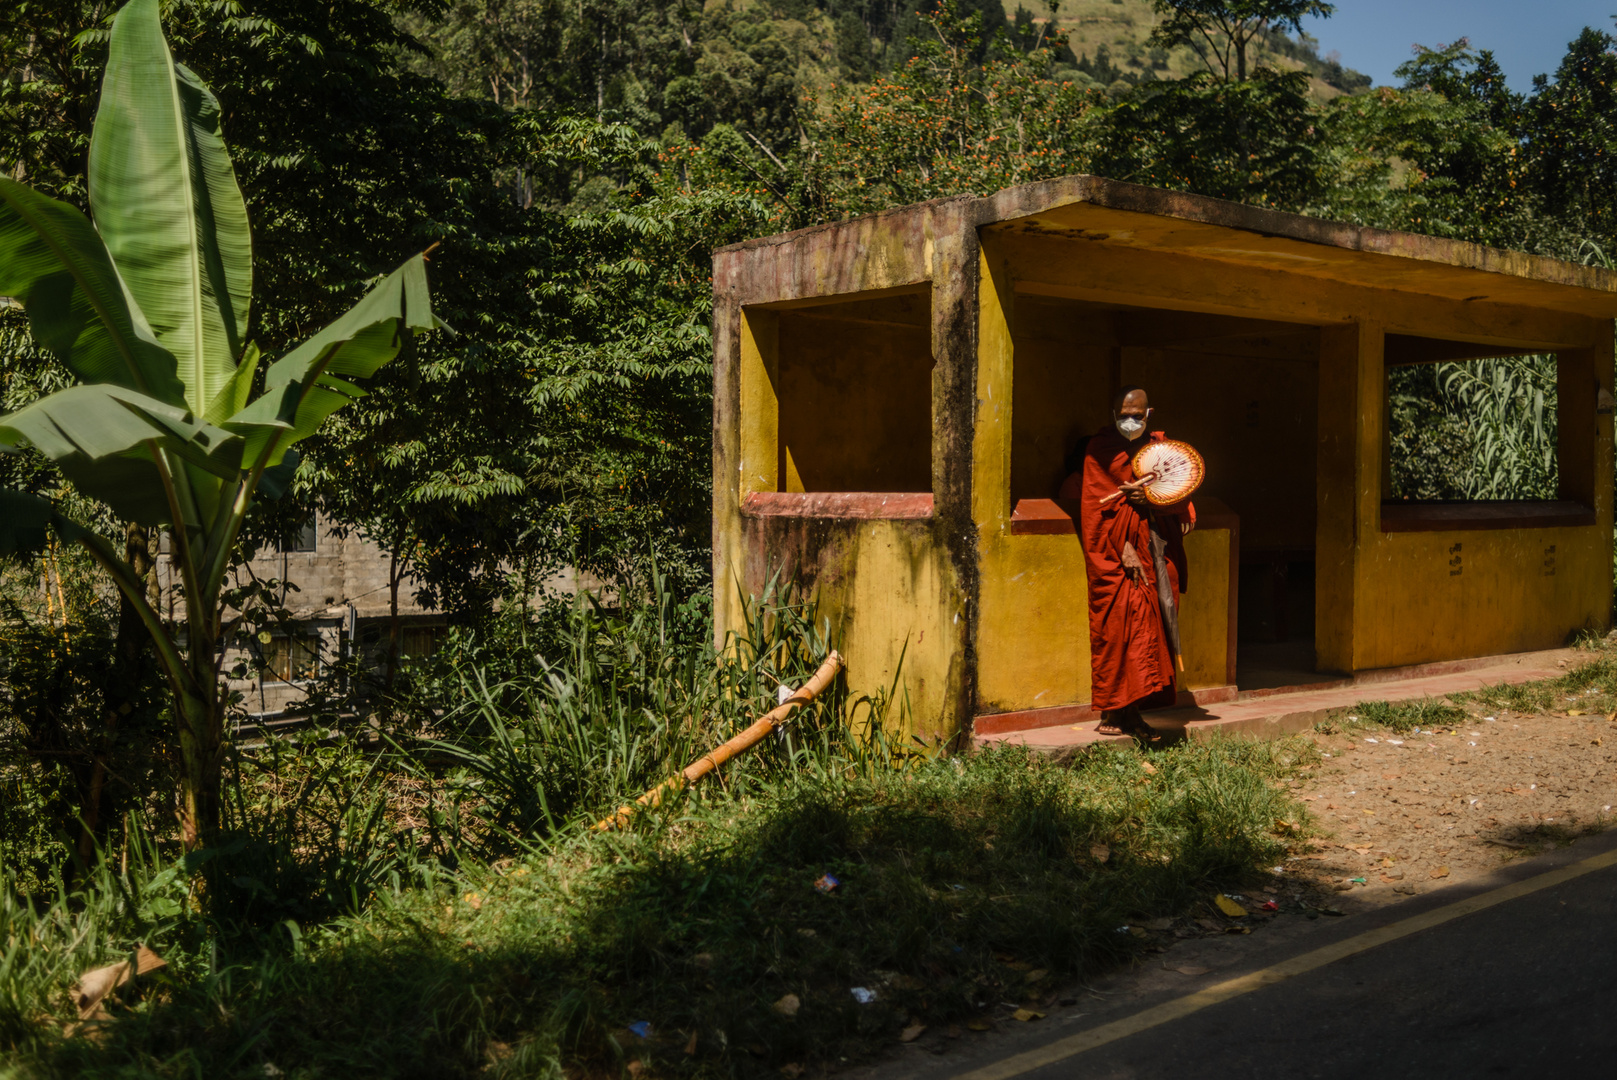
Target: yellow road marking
pixel 1062 1049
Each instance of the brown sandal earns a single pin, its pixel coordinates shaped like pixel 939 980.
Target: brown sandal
pixel 1127 722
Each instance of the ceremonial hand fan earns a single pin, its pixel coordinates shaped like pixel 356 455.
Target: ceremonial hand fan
pixel 1172 471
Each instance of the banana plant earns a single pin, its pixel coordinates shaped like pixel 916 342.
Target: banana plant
pixel 148 307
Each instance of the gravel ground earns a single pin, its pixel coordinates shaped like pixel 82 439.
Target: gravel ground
pixel 1403 812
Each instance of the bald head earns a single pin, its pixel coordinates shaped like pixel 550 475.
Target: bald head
pixel 1131 409
pixel 1131 397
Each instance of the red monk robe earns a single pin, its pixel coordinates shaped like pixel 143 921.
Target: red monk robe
pixel 1129 654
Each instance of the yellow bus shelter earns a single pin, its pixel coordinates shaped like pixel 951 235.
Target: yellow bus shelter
pixel 895 397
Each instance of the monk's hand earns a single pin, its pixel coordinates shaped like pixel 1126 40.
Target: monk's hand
pixel 1134 491
pixel 1185 526
pixel 1132 566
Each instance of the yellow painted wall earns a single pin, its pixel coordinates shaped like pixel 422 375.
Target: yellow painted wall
pixel 1511 593
pixel 884 590
pixel 1422 596
pixel 1034 651
pixel 837 397
pixel 1066 360
pixel 887 595
pixel 1204 609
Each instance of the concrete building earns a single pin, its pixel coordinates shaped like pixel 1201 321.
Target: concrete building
pixel 895 395
pixel 341 608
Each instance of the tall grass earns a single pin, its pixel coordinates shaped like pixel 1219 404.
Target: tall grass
pixel 632 698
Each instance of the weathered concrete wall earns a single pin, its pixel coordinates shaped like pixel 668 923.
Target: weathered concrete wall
pixel 339 572
pixel 884 588
pixel 885 581
pixel 1067 361
pixel 1388 598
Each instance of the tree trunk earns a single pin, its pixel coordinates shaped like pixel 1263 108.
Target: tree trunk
pixel 600 80
pixel 202 727
pixel 395 572
pixel 201 708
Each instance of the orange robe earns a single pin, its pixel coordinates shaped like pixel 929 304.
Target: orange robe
pixel 1130 659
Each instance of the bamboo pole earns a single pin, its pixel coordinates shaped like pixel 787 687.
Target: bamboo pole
pixel 738 745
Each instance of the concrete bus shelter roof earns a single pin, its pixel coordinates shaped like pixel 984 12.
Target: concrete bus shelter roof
pixel 1092 209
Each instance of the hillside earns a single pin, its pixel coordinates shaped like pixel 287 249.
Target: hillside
pixel 675 71
pixel 857 39
pixel 1107 38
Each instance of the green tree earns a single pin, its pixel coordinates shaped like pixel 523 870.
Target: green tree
pixel 149 308
pixel 943 124
pixel 47 100
pixel 1222 32
pixel 1570 136
pixel 1257 141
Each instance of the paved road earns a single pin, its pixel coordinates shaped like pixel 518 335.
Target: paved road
pixel 1525 988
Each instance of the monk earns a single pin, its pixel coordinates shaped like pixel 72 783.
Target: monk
pixel 1131 660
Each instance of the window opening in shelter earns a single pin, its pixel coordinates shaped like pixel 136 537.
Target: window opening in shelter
pixel 1467 425
pixel 852 383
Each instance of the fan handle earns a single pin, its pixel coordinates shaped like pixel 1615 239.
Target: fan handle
pixel 1119 491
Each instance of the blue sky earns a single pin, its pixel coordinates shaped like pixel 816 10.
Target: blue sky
pixel 1528 37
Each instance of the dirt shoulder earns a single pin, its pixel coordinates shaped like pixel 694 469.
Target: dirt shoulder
pixel 1404 812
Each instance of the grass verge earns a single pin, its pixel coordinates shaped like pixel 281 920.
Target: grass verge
pixel 1403 717
pixel 965 883
pixel 1589 688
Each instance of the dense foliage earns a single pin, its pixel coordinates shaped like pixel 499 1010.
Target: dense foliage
pixel 577 163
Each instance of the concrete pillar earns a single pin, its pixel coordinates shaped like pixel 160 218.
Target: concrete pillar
pixel 1583 393
pixel 729 556
pixel 955 255
pixel 1352 384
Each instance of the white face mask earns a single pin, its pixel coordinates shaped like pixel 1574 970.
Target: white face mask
pixel 1130 427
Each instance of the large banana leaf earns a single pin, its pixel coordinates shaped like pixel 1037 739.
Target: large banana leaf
pixel 105 440
pixel 167 204
pixel 302 388
pixel 55 265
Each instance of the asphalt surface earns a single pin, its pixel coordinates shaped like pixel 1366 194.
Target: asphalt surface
pixel 1525 988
